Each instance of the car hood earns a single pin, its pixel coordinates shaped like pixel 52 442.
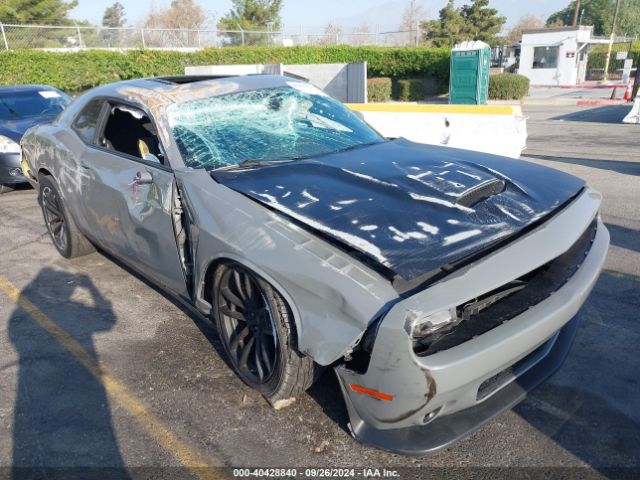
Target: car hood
pixel 408 208
pixel 15 129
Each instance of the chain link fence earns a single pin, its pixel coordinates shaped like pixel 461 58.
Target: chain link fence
pixel 74 37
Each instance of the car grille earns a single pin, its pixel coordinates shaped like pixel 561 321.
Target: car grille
pixel 491 310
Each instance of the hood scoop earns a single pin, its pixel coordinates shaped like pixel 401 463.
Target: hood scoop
pixel 480 192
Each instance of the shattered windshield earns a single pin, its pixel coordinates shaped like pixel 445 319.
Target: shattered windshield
pixel 271 124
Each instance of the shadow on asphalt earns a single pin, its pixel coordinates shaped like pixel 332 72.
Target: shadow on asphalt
pixel 326 393
pixel 606 114
pixel 625 168
pixel 204 324
pixel 624 237
pixel 590 407
pixel 62 415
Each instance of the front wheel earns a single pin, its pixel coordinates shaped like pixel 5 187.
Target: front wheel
pixel 259 336
pixel 5 189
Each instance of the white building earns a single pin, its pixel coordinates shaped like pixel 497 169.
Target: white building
pixel 555 56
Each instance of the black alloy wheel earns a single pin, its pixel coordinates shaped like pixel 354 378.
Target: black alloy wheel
pixel 54 218
pixel 247 326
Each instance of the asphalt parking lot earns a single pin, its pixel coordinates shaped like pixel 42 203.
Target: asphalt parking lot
pixel 99 369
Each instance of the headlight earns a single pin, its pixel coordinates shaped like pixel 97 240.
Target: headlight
pixel 8 146
pixel 422 326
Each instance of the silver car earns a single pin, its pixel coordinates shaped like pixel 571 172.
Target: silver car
pixel 440 285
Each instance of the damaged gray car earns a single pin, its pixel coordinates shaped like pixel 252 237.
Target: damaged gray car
pixel 441 285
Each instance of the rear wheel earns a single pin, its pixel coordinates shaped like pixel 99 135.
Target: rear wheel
pixel 258 332
pixel 63 231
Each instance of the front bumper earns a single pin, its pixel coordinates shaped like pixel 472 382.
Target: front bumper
pixel 10 171
pixel 438 399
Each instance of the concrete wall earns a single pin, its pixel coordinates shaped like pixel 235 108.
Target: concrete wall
pixel 568 40
pixel 496 129
pixel 332 78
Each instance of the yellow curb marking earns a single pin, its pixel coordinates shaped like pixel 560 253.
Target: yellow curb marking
pixel 116 390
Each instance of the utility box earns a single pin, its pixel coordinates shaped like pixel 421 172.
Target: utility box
pixel 469 79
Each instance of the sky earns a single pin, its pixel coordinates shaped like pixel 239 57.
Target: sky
pixel 317 13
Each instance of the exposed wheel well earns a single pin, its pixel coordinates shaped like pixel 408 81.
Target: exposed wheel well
pixel 207 285
pixel 44 171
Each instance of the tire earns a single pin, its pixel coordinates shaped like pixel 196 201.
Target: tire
pixel 64 233
pixel 5 189
pixel 254 321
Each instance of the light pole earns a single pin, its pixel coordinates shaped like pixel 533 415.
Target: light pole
pixel 607 58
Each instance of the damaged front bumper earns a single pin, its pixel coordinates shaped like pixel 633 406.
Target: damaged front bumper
pixel 431 401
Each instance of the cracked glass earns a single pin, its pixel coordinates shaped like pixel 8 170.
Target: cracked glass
pixel 274 124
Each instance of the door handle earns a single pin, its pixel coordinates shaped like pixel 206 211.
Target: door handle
pixel 144 178
pixel 85 166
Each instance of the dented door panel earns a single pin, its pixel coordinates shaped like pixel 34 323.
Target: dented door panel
pixel 131 218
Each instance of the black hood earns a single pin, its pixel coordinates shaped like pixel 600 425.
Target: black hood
pixel 409 208
pixel 15 129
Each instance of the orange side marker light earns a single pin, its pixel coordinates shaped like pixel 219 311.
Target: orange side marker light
pixel 372 393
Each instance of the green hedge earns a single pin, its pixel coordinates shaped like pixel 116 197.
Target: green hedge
pixel 508 86
pixel 379 89
pixel 598 54
pixel 409 90
pixel 78 71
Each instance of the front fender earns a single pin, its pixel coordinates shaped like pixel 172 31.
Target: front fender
pixel 333 297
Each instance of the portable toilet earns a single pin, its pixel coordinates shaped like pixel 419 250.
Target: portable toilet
pixel 469 79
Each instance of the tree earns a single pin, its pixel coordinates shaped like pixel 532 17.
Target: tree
pixel 599 13
pixel 252 15
pixel 526 22
pixel 47 12
pixel 114 16
pixel 181 20
pixel 332 34
pixel 414 13
pixel 482 22
pixel 361 35
pixel 448 30
pixel 629 18
pixel 181 14
pixel 471 22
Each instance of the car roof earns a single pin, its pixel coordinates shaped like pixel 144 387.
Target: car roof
pixel 178 89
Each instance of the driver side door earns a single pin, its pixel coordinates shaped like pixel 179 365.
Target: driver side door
pixel 129 192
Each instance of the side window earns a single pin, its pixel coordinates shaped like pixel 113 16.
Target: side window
pixel 85 122
pixel 130 131
pixel 545 57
